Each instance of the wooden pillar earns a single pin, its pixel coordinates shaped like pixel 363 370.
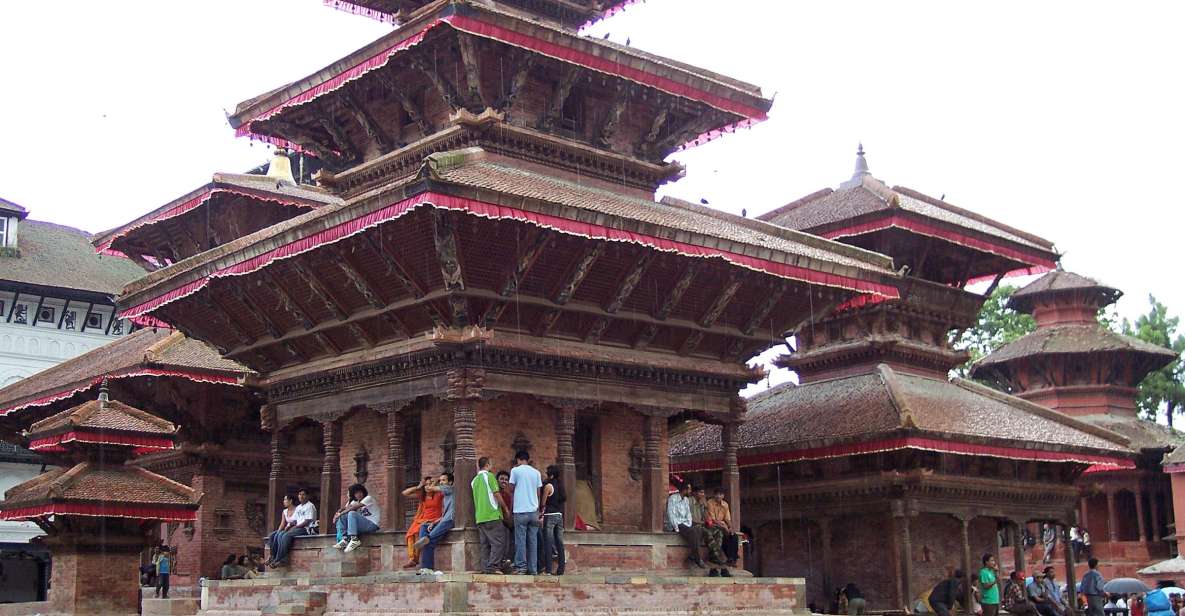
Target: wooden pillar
pixel 1082 517
pixel 653 483
pixel 464 390
pixel 901 519
pixel 965 521
pixel 275 478
pixel 1018 548
pixel 1112 519
pixel 1071 584
pixel 565 431
pixel 331 474
pixel 396 480
pixel 1156 533
pixel 825 551
pixel 732 473
pixel 1142 528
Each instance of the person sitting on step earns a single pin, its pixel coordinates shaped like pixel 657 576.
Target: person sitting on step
pixel 361 516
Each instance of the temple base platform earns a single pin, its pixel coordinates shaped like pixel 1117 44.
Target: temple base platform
pixel 460 594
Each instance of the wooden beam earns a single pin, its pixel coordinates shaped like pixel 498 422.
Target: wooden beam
pixel 660 121
pixel 394 268
pixel 688 130
pixel 691 343
pixel 594 333
pixel 646 336
pixel 287 304
pixel 254 308
pixel 327 343
pixel 474 101
pixel 444 87
pixel 400 327
pixel 677 291
pixel 578 272
pixel 413 111
pixel 319 290
pixel 559 97
pixel 363 286
pixel 220 312
pixel 731 286
pixel 306 139
pixel 526 260
pixel 445 236
pixel 630 282
pixel 613 116
pixel 525 61
pixel 367 121
pixel 359 332
pixel 766 307
pixel 341 143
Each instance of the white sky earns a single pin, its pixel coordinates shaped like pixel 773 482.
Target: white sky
pixel 1061 118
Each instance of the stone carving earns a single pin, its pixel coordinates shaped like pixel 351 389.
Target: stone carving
pixel 256 514
pixel 361 462
pixel 448 450
pixel 520 443
pixel 637 462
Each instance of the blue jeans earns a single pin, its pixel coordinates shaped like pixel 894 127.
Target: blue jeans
pixel 428 553
pixel 353 524
pixel 280 542
pixel 553 541
pixel 526 542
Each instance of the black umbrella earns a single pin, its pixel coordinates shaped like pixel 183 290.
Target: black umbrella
pixel 1125 586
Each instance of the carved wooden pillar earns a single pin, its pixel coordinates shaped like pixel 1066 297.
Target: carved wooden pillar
pixel 395 467
pixel 331 474
pixel 275 478
pixel 901 518
pixel 969 589
pixel 1143 529
pixel 825 551
pixel 1071 584
pixel 653 483
pixel 1156 534
pixel 565 431
pixel 1112 519
pixel 464 389
pixel 1083 522
pixel 732 473
pixel 1018 548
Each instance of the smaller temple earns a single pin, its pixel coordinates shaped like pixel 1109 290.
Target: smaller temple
pixel 97 511
pixel 1077 366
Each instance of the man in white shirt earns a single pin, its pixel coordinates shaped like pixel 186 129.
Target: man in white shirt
pixel 361 516
pixel 527 482
pixel 678 519
pixel 306 513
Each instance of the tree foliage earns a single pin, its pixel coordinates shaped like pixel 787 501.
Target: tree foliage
pixel 997 325
pixel 1163 390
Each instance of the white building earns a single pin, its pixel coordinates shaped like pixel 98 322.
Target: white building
pixel 56 302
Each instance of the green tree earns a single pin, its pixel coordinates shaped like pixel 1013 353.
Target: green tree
pixel 1163 390
pixel 997 325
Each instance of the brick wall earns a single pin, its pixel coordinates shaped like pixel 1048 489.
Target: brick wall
pixel 621 496
pixel 499 421
pixel 366 429
pixel 939 538
pixel 95 582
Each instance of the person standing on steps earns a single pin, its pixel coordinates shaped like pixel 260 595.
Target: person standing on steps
pixel 1092 587
pixel 989 586
pixel 554 498
pixel 488 507
pixel 527 482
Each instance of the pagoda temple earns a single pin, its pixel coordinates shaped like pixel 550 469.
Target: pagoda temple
pixel 484 268
pixel 1077 366
pixel 876 446
pixel 98 512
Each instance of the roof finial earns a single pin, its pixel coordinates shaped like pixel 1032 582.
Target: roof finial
pixel 103 397
pixel 861 164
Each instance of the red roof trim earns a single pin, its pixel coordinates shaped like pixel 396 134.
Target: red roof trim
pixel 104 510
pixel 350 7
pixel 55 442
pixel 907 442
pixel 498 212
pixel 205 195
pixel 477 27
pixel 123 374
pixel 916 226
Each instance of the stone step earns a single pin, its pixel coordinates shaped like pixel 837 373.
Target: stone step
pixel 339 563
pixel 180 606
pixel 305 597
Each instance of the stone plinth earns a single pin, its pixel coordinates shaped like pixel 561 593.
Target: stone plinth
pixel 95 574
pixel 587 552
pixel 170 607
pixel 465 594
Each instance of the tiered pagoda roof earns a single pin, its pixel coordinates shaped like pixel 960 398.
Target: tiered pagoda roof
pixel 887 410
pixel 935 240
pixel 567 13
pixel 99 436
pixel 228 207
pixel 145 353
pixel 1074 363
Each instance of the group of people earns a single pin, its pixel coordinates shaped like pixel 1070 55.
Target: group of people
pixel 156 571
pixel 701 521
pixel 1079 542
pixel 245 567
pixel 1039 596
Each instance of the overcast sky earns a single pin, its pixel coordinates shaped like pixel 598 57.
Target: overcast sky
pixel 1061 118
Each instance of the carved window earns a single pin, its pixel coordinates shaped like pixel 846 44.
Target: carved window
pixel 411 446
pixel 117 328
pixel 70 319
pixel 94 321
pixel 46 315
pixel 22 314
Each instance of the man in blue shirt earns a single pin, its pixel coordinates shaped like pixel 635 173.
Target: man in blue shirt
pixel 432 532
pixel 678 519
pixel 1092 587
pixel 527 482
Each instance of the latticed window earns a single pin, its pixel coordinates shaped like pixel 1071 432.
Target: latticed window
pixel 22 314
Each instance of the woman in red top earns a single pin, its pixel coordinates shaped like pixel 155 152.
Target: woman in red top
pixel 431 508
pixel 1136 606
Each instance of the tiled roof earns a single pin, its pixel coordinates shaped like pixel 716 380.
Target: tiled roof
pixel 10 206
pixel 886 401
pixel 15 453
pixel 1141 433
pixel 58 256
pixel 1057 282
pixel 1176 457
pixel 104 415
pixel 86 481
pixel 145 348
pixel 829 207
pixel 1072 339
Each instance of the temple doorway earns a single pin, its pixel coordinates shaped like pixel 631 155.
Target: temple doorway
pixel 588 482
